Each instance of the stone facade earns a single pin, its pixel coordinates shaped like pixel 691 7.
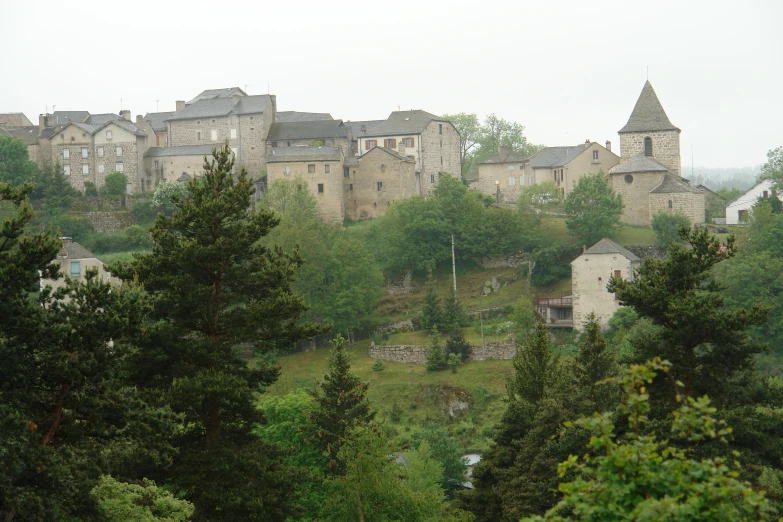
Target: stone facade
pixel 690 204
pixel 440 153
pixel 381 176
pixel 636 195
pixel 417 354
pixel 666 147
pixel 108 221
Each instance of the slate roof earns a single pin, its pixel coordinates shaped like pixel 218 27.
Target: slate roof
pixel 707 189
pixel 74 250
pixel 506 157
pixel 189 150
pixel 83 126
pixel 27 134
pixel 305 154
pixel 65 117
pixel 158 120
pixel 556 156
pixel 295 116
pixel 125 124
pixel 648 114
pixel 673 185
pixel 100 119
pixel 607 246
pixel 211 94
pixel 403 122
pixel 305 130
pixel 388 151
pixel 14 119
pixel 214 107
pixel 351 161
pixel 640 163
pixel 356 127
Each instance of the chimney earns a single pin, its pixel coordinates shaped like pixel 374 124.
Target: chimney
pixel 609 145
pixel 180 105
pixel 502 150
pixel 587 141
pixel 64 250
pixel 125 115
pixel 42 122
pixel 139 120
pixel 584 248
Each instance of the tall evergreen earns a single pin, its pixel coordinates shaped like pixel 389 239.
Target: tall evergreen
pixel 535 367
pixel 431 311
pixel 216 288
pixel 341 406
pixel 594 363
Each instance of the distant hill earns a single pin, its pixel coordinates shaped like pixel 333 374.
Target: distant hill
pixel 716 178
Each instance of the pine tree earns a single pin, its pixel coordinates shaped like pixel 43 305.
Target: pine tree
pixel 341 406
pixel 594 363
pixel 453 314
pixel 535 367
pixel 431 311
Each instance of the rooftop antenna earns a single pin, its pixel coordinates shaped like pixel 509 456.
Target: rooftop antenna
pixel 246 87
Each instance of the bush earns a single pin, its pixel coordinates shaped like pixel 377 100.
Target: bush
pixel 453 361
pixel 378 365
pixel 115 184
pixel 144 211
pixel 458 345
pixel 134 237
pixel 667 225
pixel 396 413
pixel 89 189
pixel 165 192
pixel 552 264
pixel 435 359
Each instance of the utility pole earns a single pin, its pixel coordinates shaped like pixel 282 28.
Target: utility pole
pixel 481 319
pixel 453 266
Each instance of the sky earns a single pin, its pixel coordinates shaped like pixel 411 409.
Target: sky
pixel 567 71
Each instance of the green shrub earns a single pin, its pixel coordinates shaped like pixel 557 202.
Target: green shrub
pixel 89 189
pixel 378 365
pixel 453 361
pixel 667 225
pixel 134 237
pixel 553 264
pixel 144 211
pixel 115 184
pixel 166 191
pixel 396 413
pixel 435 360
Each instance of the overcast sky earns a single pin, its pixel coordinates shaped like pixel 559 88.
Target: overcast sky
pixel 567 71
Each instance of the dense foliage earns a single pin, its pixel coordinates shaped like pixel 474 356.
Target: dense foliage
pixel 667 227
pixel 593 209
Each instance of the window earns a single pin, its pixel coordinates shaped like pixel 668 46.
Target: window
pixel 432 178
pixel 101 168
pixel 370 144
pixel 670 203
pixel 561 174
pixel 286 170
pixel 311 168
pixel 214 135
pixel 390 143
pixel 441 161
pixel 274 144
pixel 440 128
pixel 327 169
pixel 99 152
pixel 118 167
pixel 287 143
pixel 142 186
pixel 648 150
pixel 511 167
pixel 118 151
pixel 157 165
pixel 380 186
pixel 409 142
pixel 67 170
pixel 66 153
pixel 512 181
pixel 766 194
pixel 595 155
pixel 234 150
pixel 233 134
pixel 76 269
pixel 85 169
pixel 320 188
pixel 85 154
pixel 350 187
pixel 628 178
pixel 198 136
pixel 108 135
pixel 346 172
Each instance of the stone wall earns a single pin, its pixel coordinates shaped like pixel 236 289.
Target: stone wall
pixel 689 204
pixel 417 354
pixel 666 147
pixel 361 195
pixel 400 285
pixel 506 260
pixel 636 195
pixel 108 221
pixel 440 153
pixel 330 201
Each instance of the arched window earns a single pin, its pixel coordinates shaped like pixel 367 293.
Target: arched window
pixel 648 147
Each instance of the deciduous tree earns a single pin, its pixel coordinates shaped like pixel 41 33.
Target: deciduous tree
pixel 16 168
pixel 593 209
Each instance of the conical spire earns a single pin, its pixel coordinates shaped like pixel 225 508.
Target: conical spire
pixel 648 114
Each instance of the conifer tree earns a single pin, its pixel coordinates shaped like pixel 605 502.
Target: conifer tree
pixel 341 406
pixel 535 367
pixel 431 311
pixel 594 363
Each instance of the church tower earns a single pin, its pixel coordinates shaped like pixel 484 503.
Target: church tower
pixel 650 133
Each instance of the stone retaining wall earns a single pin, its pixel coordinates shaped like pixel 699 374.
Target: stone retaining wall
pixel 417 354
pixel 108 221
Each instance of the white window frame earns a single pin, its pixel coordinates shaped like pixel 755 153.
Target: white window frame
pixel 213 132
pixel 67 170
pixel 85 169
pixel 119 166
pixel 101 169
pixel 286 170
pixel 233 134
pixel 85 153
pixel 66 153
pixel 118 150
pixel 99 151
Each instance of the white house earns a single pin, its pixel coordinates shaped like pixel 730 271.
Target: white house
pixel 737 210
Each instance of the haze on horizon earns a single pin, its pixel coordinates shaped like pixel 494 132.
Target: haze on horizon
pixel 567 71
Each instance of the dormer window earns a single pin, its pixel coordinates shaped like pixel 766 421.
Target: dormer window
pixel 648 151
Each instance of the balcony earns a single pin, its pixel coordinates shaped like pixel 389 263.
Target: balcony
pixel 555 310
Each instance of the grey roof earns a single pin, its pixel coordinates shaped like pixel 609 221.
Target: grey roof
pixel 648 114
pixel 14 119
pixel 65 117
pixel 356 127
pixel 556 156
pixel 305 130
pixel 673 185
pixel 211 94
pixel 158 120
pixel 388 151
pixel 125 124
pixel 705 189
pixel 75 251
pixel 294 116
pixel 214 107
pixel 506 157
pixel 607 246
pixel 100 119
pixel 404 122
pixel 305 154
pixel 190 150
pixel 640 163
pixel 351 161
pixel 27 134
pixel 84 126
pixel 471 176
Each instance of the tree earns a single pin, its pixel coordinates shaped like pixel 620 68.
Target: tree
pixel 435 358
pixel 594 363
pixel 216 287
pixel 537 200
pixel 593 209
pixel 497 132
pixel 469 129
pixel 431 311
pixel 16 169
pixel 167 194
pixel 425 472
pixel 416 235
pixel 341 406
pixel 667 227
pixel 535 366
pixel 523 316
pixel 446 450
pixel 642 478
pixel 115 184
pixel 143 502
pixel 773 168
pixel 58 191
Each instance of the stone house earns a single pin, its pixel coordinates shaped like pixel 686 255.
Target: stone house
pixel 74 261
pixel 359 129
pixel 12 120
pixel 153 124
pixel 739 208
pixel 375 179
pixel 29 135
pixel 320 167
pixel 564 166
pixel 648 176
pixel 431 141
pixel 502 176
pixel 590 273
pixel 318 133
pixel 164 164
